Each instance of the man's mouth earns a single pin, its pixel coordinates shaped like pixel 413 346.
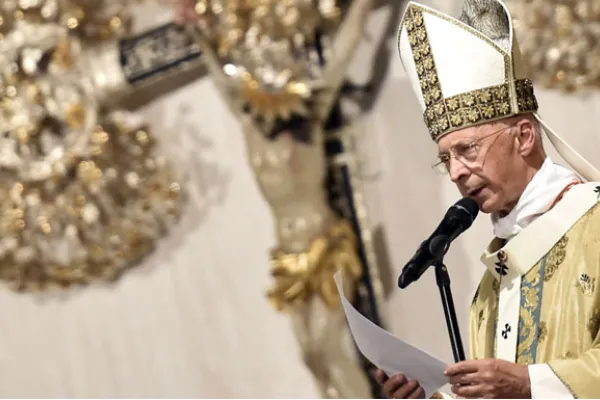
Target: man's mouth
pixel 475 192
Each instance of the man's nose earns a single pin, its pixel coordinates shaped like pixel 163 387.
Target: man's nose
pixel 457 170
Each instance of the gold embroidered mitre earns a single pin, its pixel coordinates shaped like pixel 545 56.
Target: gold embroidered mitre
pixel 469 71
pixel 460 76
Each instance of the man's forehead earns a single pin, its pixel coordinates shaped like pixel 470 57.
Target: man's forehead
pixel 465 135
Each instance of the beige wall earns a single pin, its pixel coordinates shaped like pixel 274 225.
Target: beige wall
pixel 193 321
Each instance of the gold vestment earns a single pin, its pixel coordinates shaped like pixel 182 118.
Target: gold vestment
pixel 553 316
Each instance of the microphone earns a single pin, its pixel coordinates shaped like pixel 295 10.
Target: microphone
pixel 458 219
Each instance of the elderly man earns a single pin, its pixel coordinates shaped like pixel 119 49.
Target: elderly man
pixel 535 318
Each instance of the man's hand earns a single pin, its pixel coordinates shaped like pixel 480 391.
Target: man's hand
pixel 489 379
pixel 398 387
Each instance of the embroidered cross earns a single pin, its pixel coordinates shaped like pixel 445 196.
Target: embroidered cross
pixel 501 269
pixel 506 331
pixel 597 190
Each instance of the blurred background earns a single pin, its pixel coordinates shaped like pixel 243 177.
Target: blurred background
pixel 147 211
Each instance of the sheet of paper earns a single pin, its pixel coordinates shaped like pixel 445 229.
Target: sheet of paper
pixel 390 353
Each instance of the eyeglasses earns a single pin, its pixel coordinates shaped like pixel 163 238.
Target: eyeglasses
pixel 465 153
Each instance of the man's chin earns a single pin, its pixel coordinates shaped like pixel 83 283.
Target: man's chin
pixel 486 205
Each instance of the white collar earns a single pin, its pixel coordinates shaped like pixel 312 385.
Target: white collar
pixel 539 195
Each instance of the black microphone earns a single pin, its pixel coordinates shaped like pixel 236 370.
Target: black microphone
pixel 458 219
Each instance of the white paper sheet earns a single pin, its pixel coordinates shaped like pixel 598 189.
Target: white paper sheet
pixel 390 353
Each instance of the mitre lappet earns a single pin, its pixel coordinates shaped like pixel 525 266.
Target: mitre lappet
pixel 469 70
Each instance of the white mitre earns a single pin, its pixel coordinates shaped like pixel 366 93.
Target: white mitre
pixel 463 78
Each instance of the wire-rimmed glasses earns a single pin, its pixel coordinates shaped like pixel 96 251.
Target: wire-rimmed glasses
pixel 466 153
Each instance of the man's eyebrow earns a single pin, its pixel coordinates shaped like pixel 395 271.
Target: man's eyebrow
pixel 463 143
pixel 459 143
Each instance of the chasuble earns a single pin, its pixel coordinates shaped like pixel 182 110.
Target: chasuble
pixel 538 303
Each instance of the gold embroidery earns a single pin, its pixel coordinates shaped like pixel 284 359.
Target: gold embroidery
pixel 527 359
pixel 479 320
pixel 466 109
pixel 527 336
pixel 542 332
pixel 586 284
pixel 428 78
pixel 526 100
pixel 556 258
pixel 529 324
pixel 496 286
pixel 461 25
pixel 567 355
pixel 594 323
pixel 531 296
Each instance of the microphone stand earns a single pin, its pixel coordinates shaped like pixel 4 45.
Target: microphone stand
pixel 443 281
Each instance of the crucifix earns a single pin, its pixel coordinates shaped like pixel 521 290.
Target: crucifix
pixel 280 68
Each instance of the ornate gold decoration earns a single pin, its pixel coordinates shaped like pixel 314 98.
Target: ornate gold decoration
pixel 84 194
pixel 263 46
pixel 443 115
pixel 299 276
pixel 542 332
pixel 92 19
pixel 568 355
pixel 239 25
pixel 560 41
pixel 496 287
pixel 594 324
pixel 480 318
pixel 556 257
pixel 529 314
pixel 274 104
pixel 586 284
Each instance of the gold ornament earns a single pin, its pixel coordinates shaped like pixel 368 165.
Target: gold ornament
pixel 267 49
pixel 299 276
pixel 560 41
pixel 92 19
pixel 84 194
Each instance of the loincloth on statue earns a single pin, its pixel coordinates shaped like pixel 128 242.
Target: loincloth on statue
pixel 301 276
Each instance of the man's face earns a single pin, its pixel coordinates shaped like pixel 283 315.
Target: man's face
pixel 484 163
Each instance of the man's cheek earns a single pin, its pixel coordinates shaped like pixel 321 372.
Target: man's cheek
pixel 463 190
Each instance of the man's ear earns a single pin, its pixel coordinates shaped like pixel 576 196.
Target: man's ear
pixel 527 137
